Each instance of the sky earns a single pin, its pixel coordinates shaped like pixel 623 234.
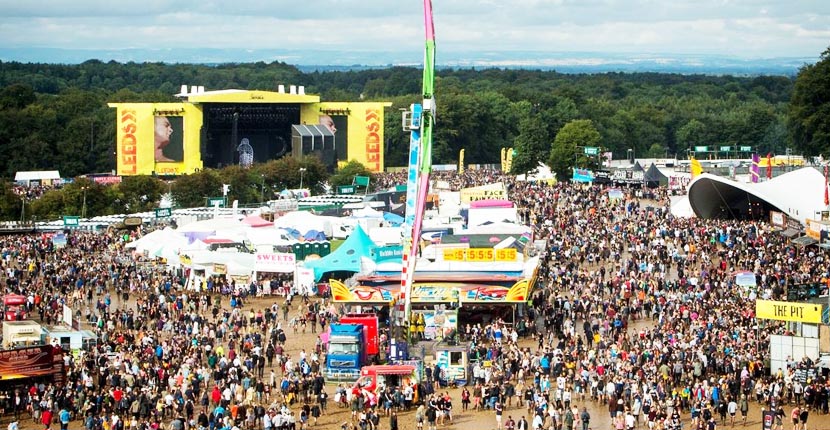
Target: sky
pixel 734 28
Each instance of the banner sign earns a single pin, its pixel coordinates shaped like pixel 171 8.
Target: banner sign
pixel 216 201
pixel 483 192
pixel 33 361
pixel 277 262
pixel 107 179
pixel 582 175
pixel 345 189
pixel 387 253
pixel 777 219
pixel 480 254
pixel 788 311
pixel 627 176
pixel 284 205
pixel 220 269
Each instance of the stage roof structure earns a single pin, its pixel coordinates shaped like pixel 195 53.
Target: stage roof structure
pixel 799 194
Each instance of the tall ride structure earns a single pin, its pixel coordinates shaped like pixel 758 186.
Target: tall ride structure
pixel 419 121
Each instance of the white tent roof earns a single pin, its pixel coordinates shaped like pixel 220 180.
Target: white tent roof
pixel 204 258
pixel 680 207
pixel 367 212
pixel 304 221
pixel 37 175
pixel 799 194
pixel 542 173
pixel 213 224
pixel 498 228
pixel 268 236
pixel 159 242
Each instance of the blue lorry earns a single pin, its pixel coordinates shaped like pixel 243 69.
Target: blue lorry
pixel 346 353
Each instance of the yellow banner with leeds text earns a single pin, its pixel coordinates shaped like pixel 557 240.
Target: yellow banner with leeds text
pixel 788 311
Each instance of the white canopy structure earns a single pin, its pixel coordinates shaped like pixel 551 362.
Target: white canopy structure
pixel 799 194
pixel 164 243
pixel 269 236
pixel 367 212
pixel 680 207
pixel 498 228
pixel 211 225
pixel 304 221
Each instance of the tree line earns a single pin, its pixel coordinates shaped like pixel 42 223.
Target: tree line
pixel 55 116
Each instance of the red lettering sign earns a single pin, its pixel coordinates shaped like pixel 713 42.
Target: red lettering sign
pixel 129 163
pixel 373 149
pixel 275 262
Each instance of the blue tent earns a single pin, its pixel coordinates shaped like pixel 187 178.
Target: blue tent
pixel 347 257
pixel 293 232
pixel 314 235
pixel 393 219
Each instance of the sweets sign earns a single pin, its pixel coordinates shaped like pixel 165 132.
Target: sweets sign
pixel 276 262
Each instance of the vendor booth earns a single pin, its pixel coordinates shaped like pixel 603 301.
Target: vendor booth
pixel 69 339
pixel 21 333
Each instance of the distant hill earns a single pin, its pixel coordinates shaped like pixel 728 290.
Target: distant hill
pixel 310 60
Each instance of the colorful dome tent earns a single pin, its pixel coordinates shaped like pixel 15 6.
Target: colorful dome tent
pixel 347 258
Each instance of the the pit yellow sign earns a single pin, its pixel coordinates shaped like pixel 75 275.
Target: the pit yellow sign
pixel 788 311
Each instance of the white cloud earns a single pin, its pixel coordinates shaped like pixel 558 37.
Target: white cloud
pixel 745 28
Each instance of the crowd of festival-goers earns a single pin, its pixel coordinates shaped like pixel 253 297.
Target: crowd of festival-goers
pixel 635 311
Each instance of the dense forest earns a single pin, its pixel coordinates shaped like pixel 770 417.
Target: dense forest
pixel 56 117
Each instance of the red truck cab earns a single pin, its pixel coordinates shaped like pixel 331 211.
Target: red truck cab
pixel 14 307
pixel 370 330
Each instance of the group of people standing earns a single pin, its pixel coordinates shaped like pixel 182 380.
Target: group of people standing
pixel 635 311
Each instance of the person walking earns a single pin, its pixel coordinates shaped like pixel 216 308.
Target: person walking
pixel 802 417
pixel 732 408
pixel 569 420
pixel 585 418
pixel 393 421
pixel 64 416
pixel 46 418
pixel 795 416
pixel 744 409
pixel 499 409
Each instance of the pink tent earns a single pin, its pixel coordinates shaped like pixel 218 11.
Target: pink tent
pixel 491 203
pixel 257 221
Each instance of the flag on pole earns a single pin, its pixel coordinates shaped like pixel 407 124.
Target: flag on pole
pixel 769 165
pixel 826 195
pixel 695 168
pixel 754 170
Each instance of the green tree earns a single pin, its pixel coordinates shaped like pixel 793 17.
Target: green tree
pixel 193 190
pixel 564 154
pixel 285 173
pixel 17 96
pixel 244 187
pixel 809 110
pixel 531 145
pixel 691 134
pixel 10 203
pixel 140 193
